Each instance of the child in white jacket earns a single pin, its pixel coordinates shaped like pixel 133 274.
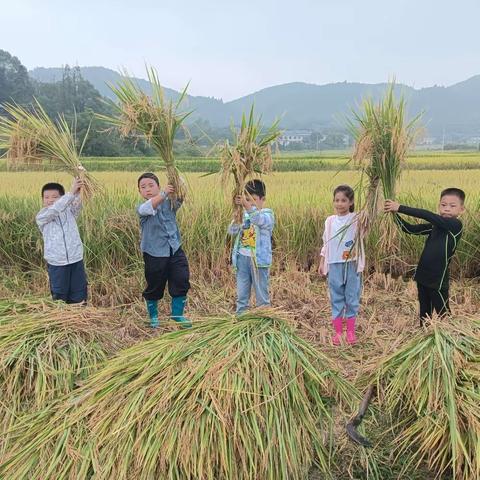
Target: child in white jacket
pixel 63 248
pixel 342 260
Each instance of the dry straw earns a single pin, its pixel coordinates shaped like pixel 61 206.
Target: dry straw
pixel 231 398
pixel 153 118
pixel 30 136
pixel 431 387
pixel 249 156
pixel 46 349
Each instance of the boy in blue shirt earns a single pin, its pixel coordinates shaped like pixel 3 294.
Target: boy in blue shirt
pixel 164 258
pixel 252 249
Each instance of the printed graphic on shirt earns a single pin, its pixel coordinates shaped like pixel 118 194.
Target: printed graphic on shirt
pixel 348 254
pixel 248 237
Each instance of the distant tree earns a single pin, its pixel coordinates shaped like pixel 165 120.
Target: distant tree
pixel 71 94
pixel 15 84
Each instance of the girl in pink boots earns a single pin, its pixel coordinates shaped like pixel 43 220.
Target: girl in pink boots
pixel 342 260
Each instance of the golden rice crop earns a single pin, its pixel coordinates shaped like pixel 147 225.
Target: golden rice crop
pixel 154 118
pixel 249 156
pixel 29 135
pixel 383 137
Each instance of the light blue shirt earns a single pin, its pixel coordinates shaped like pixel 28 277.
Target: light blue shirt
pixel 263 220
pixel 160 233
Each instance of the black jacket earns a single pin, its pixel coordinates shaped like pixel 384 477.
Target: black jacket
pixel 443 237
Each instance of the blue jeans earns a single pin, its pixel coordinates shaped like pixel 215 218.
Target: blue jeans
pixel 345 286
pixel 248 275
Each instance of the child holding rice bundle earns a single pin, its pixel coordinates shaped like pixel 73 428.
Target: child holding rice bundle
pixel 63 248
pixel 165 261
pixel 443 231
pixel 252 249
pixel 342 260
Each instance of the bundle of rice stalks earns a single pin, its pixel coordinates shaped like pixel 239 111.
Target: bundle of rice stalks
pixel 153 118
pixel 383 137
pixel 29 135
pixel 44 354
pixel 248 157
pixel 228 399
pixel 431 387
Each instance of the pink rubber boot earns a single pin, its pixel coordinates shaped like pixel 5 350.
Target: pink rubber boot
pixel 338 326
pixel 351 338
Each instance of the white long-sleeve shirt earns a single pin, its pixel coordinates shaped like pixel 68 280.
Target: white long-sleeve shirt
pixel 61 239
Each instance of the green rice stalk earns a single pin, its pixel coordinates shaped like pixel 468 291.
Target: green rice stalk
pixel 153 118
pixel 248 157
pixel 431 387
pixel 231 398
pixel 383 138
pixel 30 136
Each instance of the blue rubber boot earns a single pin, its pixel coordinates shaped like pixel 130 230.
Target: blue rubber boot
pixel 152 308
pixel 178 306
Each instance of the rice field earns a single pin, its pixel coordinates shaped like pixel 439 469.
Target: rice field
pixel 285 162
pixel 301 201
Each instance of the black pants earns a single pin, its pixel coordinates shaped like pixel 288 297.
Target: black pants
pixel 432 300
pixel 160 270
pixel 68 282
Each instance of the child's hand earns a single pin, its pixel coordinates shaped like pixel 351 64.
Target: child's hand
pixel 169 189
pixel 77 185
pixel 391 206
pixel 321 266
pixel 244 202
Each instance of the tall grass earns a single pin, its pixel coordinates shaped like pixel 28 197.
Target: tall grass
pixel 248 156
pixel 302 162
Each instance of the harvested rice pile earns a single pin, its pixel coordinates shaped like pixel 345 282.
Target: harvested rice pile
pixel 431 388
pixel 47 349
pixel 230 399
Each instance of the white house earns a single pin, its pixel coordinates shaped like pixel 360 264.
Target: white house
pixel 293 136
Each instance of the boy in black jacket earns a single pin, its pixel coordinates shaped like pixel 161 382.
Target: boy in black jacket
pixel 444 232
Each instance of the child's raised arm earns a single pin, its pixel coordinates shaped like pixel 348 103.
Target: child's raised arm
pixel 49 214
pixel 453 225
pixel 450 224
pixel 413 228
pixel 149 207
pixel 261 219
pixel 76 205
pixel 234 228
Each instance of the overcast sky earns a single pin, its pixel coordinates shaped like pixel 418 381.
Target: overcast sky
pixel 229 48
